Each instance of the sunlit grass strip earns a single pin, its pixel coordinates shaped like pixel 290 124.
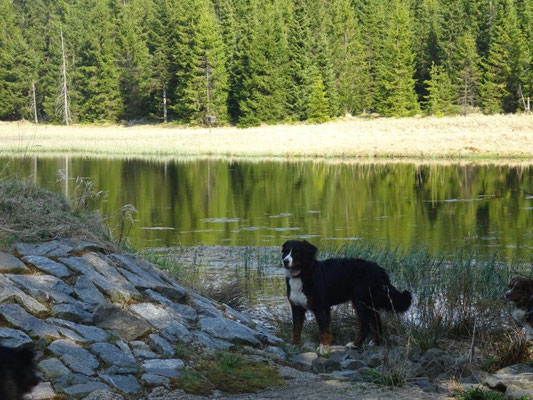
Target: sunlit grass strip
pixel 472 137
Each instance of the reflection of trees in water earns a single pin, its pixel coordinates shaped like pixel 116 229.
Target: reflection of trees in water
pixel 437 206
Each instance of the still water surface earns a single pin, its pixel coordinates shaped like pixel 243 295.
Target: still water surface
pixel 208 202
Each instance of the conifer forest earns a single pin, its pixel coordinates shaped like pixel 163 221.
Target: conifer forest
pixel 248 62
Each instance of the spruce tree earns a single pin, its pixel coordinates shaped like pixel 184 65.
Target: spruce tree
pixel 395 72
pixel 468 75
pixel 14 82
pixel 318 107
pixel 440 98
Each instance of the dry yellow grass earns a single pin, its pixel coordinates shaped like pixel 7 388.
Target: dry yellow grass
pixel 472 137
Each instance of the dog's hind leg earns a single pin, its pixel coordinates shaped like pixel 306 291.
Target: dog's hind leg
pixel 323 318
pixel 298 319
pixel 376 326
pixel 363 316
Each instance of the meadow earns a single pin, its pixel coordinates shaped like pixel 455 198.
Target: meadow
pixel 474 137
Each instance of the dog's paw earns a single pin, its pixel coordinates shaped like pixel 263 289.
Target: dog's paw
pixel 351 345
pixel 323 350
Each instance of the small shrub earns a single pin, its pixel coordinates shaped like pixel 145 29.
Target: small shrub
pixel 480 394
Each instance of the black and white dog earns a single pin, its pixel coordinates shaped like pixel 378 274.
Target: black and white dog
pixel 317 285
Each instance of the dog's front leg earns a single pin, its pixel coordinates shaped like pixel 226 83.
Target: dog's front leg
pixel 298 318
pixel 323 318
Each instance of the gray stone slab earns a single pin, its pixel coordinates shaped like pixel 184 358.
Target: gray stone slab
pixel 33 326
pixel 114 370
pixel 13 337
pixel 139 268
pixel 49 266
pixel 89 333
pixel 229 330
pixel 127 384
pixel 53 368
pixel 183 310
pixel 305 359
pixel 162 318
pixel 170 368
pixel 11 264
pixel 70 380
pixel 128 326
pixel 267 337
pixel 238 316
pixel 75 357
pixel 104 395
pixel 54 248
pixel 160 345
pixel 71 312
pixel 211 343
pixel 85 246
pixel 206 308
pixel 43 391
pixel 119 290
pixel 44 288
pixel 112 355
pixel 87 291
pixel 9 292
pixel 154 380
pixel 78 391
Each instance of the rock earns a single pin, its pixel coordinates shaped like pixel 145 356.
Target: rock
pixel 338 355
pixel 43 391
pixel 162 318
pixel 160 345
pixel 128 326
pixel 125 383
pixel 142 350
pixel 114 370
pixel 305 359
pixel 49 266
pixel 11 264
pixel 435 362
pixel 13 337
pixel 238 316
pixel 76 357
pixel 415 354
pixel 170 368
pixel 266 337
pixel 154 380
pixel 103 395
pixel 140 273
pixel 347 375
pixel 71 312
pixel 88 333
pixel 87 292
pixel 276 351
pixel 353 364
pixel 368 374
pixel 85 246
pixel 112 355
pixel 374 360
pixel 183 310
pixel 229 330
pixel 211 343
pixel 44 288
pixel 33 326
pixel 322 365
pixel 204 308
pixel 112 284
pixel 71 379
pixel 517 393
pixel 517 377
pixel 9 292
pixel 77 391
pixel 52 368
pixel 53 248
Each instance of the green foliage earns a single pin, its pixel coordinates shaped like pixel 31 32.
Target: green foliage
pixel 251 61
pixel 480 394
pixel 440 97
pixel 318 107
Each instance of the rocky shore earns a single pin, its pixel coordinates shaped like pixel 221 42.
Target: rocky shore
pixel 107 325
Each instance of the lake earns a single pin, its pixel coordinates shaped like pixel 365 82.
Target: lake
pixel 485 208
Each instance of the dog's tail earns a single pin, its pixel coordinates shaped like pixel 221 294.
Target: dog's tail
pixel 397 301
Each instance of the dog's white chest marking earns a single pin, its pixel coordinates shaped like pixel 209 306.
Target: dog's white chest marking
pixel 297 295
pixel 518 314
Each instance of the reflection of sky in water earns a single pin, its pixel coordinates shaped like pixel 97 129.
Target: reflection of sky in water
pixel 264 203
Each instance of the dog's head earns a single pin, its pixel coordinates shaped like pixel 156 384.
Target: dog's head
pixel 298 256
pixel 520 292
pixel 20 363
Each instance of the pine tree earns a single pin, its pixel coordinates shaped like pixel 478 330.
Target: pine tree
pixel 14 82
pixel 318 107
pixel 440 98
pixel 348 58
pixel 395 73
pixel 467 80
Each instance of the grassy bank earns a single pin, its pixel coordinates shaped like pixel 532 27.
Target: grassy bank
pixel 471 137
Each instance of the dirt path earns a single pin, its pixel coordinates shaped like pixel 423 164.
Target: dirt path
pixel 308 386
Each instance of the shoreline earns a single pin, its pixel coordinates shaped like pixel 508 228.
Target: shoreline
pixel 477 138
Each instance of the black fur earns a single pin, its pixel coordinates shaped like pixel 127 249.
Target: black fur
pixel 17 372
pixel 339 280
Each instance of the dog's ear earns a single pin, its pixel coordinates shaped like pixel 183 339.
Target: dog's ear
pixel 310 251
pixel 513 281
